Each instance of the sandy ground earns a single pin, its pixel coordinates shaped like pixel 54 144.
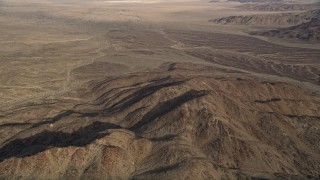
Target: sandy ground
pixel 44 41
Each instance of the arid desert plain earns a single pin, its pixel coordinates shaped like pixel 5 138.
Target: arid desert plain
pixel 159 89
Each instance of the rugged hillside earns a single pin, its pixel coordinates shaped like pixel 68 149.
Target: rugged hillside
pixel 175 122
pixel 270 19
pixel 279 7
pixel 309 31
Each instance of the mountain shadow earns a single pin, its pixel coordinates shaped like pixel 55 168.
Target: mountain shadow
pixel 48 139
pixel 165 107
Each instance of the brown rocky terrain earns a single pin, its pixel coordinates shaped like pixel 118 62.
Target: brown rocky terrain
pixel 269 19
pixel 177 121
pixel 279 7
pixel 141 89
pixel 309 31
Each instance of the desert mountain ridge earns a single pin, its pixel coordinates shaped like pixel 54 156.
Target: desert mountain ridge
pixel 177 121
pixel 283 19
pixel 309 31
pixel 280 7
pixel 256 1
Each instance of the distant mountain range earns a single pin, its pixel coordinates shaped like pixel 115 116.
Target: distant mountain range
pixel 279 7
pixel 256 1
pixel 269 19
pixel 309 31
pixel 305 26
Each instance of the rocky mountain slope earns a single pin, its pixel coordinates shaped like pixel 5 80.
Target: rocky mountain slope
pixel 309 31
pixel 269 19
pixel 175 122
